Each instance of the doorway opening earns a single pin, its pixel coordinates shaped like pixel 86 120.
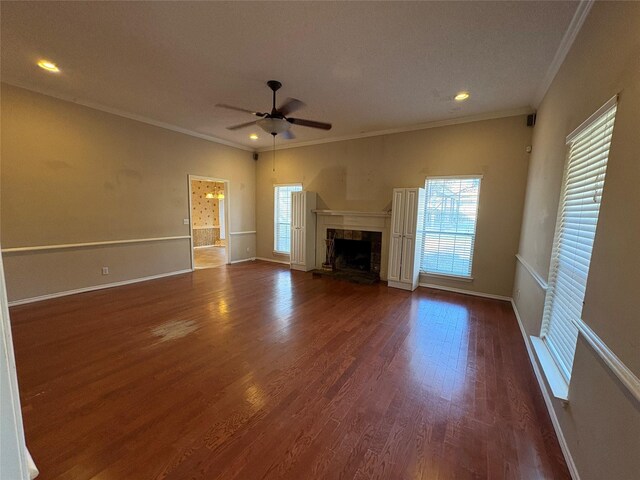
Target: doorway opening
pixel 209 220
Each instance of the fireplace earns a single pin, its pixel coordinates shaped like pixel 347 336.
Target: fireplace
pixel 354 253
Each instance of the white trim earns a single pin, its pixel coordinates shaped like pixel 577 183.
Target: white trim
pixel 91 244
pixel 133 116
pixel 272 260
pixel 536 276
pixel 465 292
pixel 33 469
pixel 595 116
pixel 401 285
pixel 276 203
pixel 352 213
pixel 620 370
pixel 12 426
pixel 49 296
pixel 422 126
pixel 246 232
pixel 242 260
pixel 436 177
pixel 547 399
pixel 226 214
pixel 557 383
pixel 446 276
pixel 580 15
pixel 472 236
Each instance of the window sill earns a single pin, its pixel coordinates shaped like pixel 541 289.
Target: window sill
pixel 281 254
pixel 459 278
pixel 559 386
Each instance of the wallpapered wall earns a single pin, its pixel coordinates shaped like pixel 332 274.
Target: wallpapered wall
pixel 204 211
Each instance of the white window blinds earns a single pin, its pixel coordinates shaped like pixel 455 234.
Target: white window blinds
pixel 282 217
pixel 451 211
pixel 588 152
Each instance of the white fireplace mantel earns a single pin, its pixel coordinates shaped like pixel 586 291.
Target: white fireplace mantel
pixel 352 220
pixel 349 213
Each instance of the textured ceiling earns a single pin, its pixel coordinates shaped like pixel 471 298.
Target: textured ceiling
pixel 362 66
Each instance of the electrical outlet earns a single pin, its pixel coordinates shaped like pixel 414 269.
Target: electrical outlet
pixel 247 249
pixel 186 221
pixel 518 294
pixel 105 270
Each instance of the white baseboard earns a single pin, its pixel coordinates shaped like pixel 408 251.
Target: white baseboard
pixel 547 399
pixel 273 260
pixel 94 287
pixel 400 285
pixel 242 260
pixel 465 292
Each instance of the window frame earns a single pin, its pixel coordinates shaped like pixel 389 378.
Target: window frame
pixel 453 276
pixel 552 366
pixel 275 214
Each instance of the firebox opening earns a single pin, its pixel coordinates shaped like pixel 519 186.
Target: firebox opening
pixel 353 255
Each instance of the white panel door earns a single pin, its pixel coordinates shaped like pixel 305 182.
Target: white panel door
pixel 410 212
pixel 397 215
pixel 395 258
pixel 301 221
pixel 299 235
pixel 397 229
pixel 295 210
pixel 406 272
pixel 294 257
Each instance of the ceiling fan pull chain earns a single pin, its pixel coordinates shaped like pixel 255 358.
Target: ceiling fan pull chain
pixel 274 153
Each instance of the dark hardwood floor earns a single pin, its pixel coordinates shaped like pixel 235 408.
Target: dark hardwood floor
pixel 251 371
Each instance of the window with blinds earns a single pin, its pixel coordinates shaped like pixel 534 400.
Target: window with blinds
pixel 282 217
pixel 588 152
pixel 451 211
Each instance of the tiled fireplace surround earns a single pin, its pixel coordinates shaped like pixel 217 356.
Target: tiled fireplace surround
pixel 374 240
pixel 350 221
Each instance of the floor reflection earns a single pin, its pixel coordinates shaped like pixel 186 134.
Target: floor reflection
pixel 438 346
pixel 282 306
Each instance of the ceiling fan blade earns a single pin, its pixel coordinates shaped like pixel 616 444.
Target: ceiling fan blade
pixel 238 109
pixel 309 123
pixel 242 125
pixel 290 106
pixel 288 135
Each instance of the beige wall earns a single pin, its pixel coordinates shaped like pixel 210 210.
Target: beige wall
pixel 71 174
pixel 602 421
pixel 360 175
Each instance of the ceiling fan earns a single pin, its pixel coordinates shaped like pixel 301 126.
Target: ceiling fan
pixel 277 122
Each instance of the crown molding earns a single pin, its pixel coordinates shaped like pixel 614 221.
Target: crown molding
pixel 132 116
pixel 582 10
pixel 375 133
pixel 422 126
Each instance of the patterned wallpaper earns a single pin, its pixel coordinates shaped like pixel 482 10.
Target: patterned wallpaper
pixel 204 211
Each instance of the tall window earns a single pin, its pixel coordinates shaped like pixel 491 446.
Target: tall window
pixel 451 211
pixel 588 152
pixel 282 217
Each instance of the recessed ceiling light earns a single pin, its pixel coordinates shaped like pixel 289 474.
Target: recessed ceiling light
pixel 48 66
pixel 461 97
pixel 253 136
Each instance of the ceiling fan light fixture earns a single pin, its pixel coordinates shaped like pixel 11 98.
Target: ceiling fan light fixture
pixel 274 126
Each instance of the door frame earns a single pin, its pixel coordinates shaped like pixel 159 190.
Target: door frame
pixel 226 183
